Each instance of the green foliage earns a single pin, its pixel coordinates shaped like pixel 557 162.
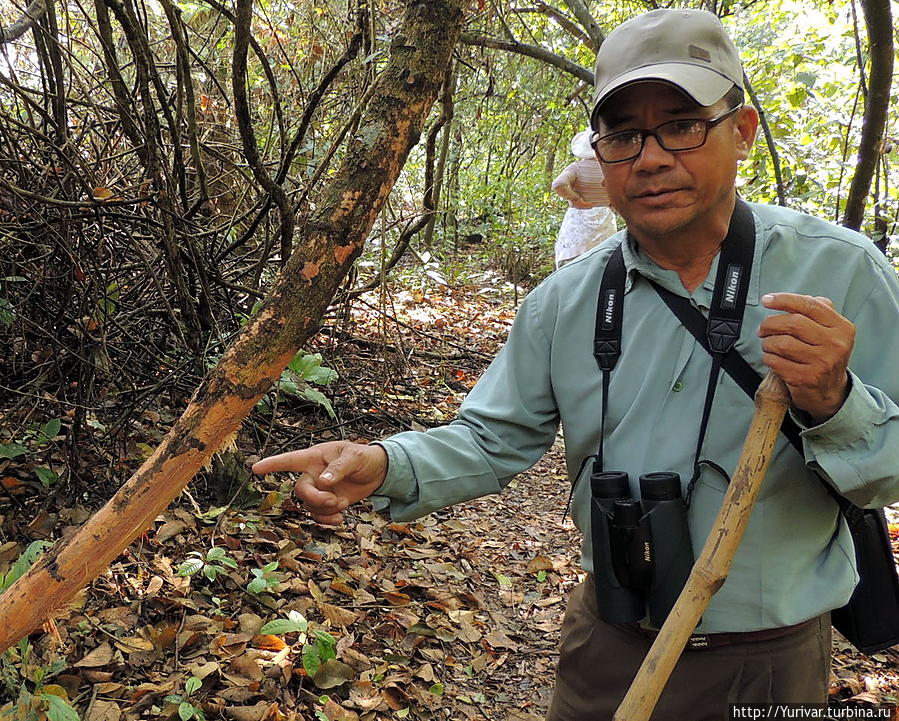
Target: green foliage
pixel 23 563
pixel 214 563
pixel 30 441
pixel 294 623
pixel 21 677
pixel 321 650
pixel 264 578
pixel 296 381
pixel 186 709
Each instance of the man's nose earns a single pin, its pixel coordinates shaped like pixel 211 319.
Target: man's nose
pixel 653 155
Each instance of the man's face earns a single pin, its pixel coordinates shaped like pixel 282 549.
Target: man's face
pixel 664 195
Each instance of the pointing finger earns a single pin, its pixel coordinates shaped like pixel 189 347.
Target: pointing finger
pixel 290 461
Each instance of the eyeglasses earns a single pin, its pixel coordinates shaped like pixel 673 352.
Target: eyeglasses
pixel 674 135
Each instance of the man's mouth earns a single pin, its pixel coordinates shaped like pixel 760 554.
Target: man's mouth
pixel 657 192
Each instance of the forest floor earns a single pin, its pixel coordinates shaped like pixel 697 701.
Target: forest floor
pixel 455 616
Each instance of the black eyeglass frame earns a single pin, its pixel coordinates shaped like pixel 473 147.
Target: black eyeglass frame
pixel 709 123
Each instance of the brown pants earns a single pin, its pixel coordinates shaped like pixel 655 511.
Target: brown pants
pixel 598 661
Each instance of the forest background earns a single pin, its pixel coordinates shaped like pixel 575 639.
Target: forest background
pixel 161 160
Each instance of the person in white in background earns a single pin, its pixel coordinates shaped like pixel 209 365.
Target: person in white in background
pixel 589 220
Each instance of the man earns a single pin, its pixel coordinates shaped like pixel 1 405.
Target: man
pixel 670 130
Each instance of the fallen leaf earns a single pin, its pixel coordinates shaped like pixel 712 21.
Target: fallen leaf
pixel 11 484
pixel 268 642
pixel 333 673
pixel 339 617
pixel 339 586
pixel 169 530
pixel 539 563
pixel 103 710
pixel 247 713
pixel 396 599
pixel 100 656
pixel 335 712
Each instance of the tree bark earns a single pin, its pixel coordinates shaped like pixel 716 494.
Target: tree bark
pixel 585 18
pixel 879 22
pixel 346 211
pixel 21 26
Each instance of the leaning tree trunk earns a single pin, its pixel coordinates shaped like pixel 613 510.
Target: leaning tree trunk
pixel 879 23
pixel 334 235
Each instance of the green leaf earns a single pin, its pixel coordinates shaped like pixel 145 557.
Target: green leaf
pixel 309 368
pixel 186 711
pixel 7 314
pixel 193 683
pixel 22 564
pixel 436 689
pixel 326 645
pixel 211 572
pixel 281 626
pixel 269 567
pixel 257 586
pixel 541 575
pixel 46 476
pixel 311 660
pixel 12 450
pixel 51 429
pixel 58 709
pixel 503 580
pixel 190 566
pixel 318 397
pixel 216 553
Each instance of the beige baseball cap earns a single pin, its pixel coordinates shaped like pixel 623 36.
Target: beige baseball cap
pixel 687 48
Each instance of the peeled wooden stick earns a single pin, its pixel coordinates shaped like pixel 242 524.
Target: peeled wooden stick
pixel 711 568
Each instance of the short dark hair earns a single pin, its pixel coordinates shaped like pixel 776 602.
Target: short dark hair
pixel 734 97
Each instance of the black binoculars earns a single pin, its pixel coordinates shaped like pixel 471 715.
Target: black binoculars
pixel 642 552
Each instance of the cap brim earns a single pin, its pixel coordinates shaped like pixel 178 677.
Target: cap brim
pixel 704 85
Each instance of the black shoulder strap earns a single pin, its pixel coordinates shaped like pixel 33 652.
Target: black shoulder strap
pixel 745 376
pixel 735 365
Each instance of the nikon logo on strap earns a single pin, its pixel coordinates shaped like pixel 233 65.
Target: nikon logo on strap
pixel 732 283
pixel 608 308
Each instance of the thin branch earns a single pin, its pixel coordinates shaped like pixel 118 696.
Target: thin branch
pixel 585 18
pixel 564 22
pixel 532 51
pixel 879 23
pixel 242 21
pixel 769 140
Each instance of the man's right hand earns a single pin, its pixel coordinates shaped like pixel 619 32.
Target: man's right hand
pixel 333 475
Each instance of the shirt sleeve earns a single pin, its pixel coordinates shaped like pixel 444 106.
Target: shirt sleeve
pixel 858 448
pixel 564 183
pixel 505 425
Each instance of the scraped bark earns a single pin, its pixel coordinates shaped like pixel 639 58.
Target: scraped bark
pixel 328 243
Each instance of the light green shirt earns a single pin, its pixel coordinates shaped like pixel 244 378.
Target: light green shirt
pixel 796 559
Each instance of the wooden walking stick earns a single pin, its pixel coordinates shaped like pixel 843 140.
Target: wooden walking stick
pixel 711 568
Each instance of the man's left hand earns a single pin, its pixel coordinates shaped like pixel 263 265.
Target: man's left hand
pixel 808 346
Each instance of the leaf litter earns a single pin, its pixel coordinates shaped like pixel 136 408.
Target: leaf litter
pixel 454 616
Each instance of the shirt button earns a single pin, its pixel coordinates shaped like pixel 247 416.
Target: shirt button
pixel 678 387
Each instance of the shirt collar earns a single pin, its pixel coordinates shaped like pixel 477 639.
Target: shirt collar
pixel 637 262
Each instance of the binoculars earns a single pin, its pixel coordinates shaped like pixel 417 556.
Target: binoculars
pixel 642 552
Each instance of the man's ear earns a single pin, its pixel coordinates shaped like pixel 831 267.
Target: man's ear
pixel 745 127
